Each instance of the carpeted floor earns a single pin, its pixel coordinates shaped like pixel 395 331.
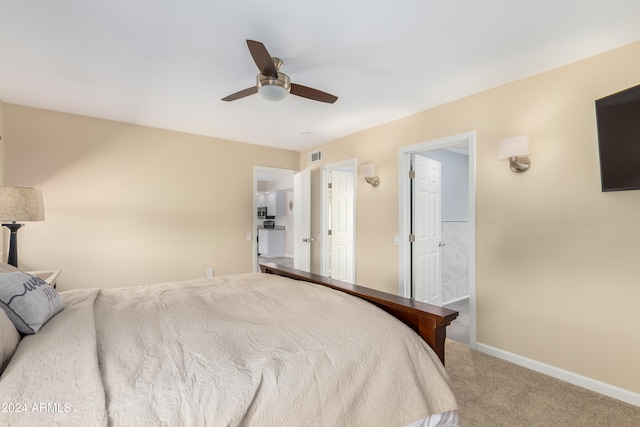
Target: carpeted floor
pixel 492 392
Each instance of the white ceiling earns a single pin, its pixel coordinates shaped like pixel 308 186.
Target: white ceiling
pixel 168 63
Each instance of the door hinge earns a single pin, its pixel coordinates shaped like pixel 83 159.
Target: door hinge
pixel 329 185
pixel 329 232
pixel 412 238
pixel 412 174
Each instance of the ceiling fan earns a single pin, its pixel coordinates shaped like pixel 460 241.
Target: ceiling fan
pixel 274 85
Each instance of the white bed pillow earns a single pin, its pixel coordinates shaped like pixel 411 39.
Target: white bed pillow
pixel 28 301
pixel 9 340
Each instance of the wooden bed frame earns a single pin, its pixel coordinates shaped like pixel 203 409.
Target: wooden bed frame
pixel 429 321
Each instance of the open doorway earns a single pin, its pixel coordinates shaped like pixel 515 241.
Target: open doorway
pixel 273 216
pixel 437 257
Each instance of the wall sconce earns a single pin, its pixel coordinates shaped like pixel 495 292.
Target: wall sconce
pixel 516 149
pixel 368 172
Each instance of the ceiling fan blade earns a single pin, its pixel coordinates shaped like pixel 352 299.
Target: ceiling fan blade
pixel 311 93
pixel 262 58
pixel 241 94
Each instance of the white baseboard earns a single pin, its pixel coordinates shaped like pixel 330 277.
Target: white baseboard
pixel 561 374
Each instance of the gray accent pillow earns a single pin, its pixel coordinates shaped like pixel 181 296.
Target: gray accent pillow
pixel 9 340
pixel 28 301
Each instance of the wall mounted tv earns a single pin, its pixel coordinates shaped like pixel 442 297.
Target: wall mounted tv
pixel 618 117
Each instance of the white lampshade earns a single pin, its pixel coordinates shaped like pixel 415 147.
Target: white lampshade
pixel 21 204
pixel 273 92
pixel 367 171
pixel 517 146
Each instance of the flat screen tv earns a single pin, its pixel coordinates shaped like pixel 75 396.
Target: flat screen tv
pixel 618 118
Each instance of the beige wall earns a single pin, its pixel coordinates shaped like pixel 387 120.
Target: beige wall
pixel 128 205
pixel 5 233
pixel 557 269
pixel 2 139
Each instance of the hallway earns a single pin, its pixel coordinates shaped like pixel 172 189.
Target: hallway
pixel 285 261
pixel 458 330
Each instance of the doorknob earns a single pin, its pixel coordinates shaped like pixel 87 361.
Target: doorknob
pixel 441 244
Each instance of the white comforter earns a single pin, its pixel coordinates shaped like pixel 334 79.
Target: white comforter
pixel 254 349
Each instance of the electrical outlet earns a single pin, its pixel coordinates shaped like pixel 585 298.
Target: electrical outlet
pixel 209 272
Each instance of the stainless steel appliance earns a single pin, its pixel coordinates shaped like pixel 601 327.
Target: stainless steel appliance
pixel 269 224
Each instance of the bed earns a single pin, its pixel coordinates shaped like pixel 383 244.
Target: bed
pixel 259 349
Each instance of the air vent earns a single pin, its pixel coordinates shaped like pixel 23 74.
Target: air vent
pixel 315 156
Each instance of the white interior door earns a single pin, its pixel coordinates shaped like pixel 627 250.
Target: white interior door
pixel 302 220
pixel 342 227
pixel 427 272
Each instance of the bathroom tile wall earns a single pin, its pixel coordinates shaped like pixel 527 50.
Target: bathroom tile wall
pixel 455 260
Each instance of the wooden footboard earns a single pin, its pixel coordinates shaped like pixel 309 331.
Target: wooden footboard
pixel 429 321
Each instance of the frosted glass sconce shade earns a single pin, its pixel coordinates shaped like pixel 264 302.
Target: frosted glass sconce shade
pixel 368 172
pixel 516 149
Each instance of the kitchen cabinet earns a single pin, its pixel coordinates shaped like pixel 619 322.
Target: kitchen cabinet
pixel 276 204
pixel 270 242
pixel 262 199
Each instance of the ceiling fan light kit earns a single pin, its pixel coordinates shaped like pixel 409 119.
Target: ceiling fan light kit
pixel 273 89
pixel 274 85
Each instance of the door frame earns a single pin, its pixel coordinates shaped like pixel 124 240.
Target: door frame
pixel 258 171
pixel 352 165
pixel 404 262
